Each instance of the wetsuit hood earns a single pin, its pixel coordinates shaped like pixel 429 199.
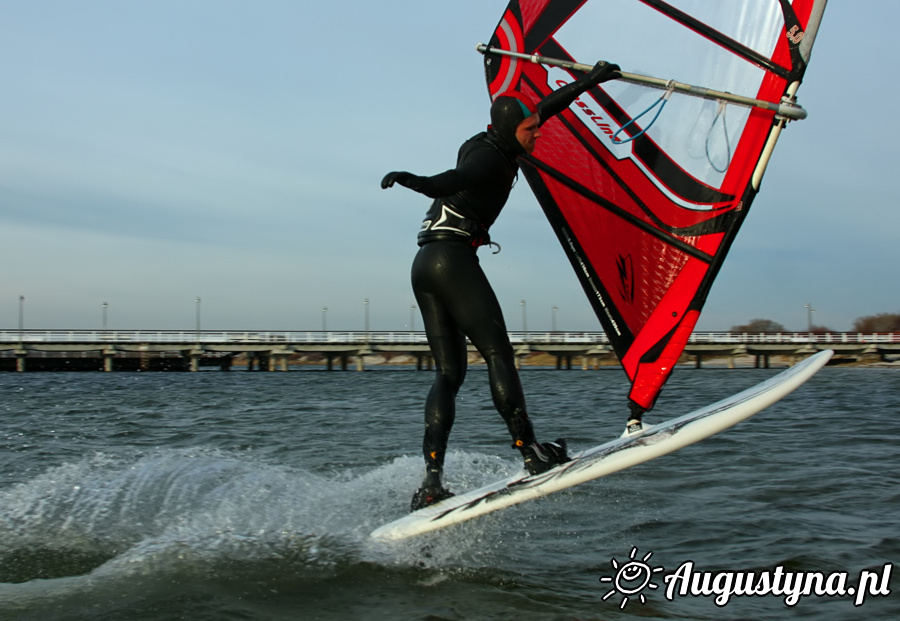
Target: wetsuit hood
pixel 508 110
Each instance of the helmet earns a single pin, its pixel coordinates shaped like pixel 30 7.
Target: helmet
pixel 508 110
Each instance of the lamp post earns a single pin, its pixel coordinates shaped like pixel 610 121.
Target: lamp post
pixel 553 311
pixel 324 318
pixel 412 319
pixel 197 302
pixel 809 311
pixel 366 307
pixel 524 319
pixel 104 306
pixel 21 318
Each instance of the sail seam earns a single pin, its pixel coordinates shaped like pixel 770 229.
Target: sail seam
pixel 619 211
pixel 719 38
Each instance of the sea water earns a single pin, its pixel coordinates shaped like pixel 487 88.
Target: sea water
pixel 242 495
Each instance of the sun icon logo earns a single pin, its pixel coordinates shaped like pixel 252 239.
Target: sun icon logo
pixel 631 578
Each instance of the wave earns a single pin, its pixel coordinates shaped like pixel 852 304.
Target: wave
pixel 206 516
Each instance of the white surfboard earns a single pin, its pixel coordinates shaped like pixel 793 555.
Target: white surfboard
pixel 655 441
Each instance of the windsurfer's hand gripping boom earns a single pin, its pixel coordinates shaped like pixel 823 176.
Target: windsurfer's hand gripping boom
pixel 603 71
pixel 562 98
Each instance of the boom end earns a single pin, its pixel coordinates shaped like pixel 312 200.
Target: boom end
pixel 792 112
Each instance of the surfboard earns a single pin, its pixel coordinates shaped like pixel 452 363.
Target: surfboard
pixel 624 452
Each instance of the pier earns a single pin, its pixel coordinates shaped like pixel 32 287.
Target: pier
pixel 189 350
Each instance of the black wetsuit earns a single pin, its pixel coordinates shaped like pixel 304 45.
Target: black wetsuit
pixel 452 291
pixel 454 295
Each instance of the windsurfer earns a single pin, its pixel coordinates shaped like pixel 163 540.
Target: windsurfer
pixel 451 289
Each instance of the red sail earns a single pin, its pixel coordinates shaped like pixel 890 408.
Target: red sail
pixel 646 223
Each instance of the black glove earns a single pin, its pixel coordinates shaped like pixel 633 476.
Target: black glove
pixel 602 72
pixel 391 178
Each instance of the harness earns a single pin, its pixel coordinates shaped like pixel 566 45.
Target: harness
pixel 453 226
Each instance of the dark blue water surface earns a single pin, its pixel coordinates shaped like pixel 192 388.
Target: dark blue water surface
pixel 251 496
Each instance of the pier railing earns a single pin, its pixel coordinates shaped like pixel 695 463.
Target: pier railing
pixel 189 349
pixel 316 337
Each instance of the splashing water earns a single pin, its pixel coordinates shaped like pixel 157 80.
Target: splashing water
pixel 181 515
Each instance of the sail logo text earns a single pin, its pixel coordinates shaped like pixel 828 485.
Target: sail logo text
pixel 635 576
pixel 795 35
pixel 598 120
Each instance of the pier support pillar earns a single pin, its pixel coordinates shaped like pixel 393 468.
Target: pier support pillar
pixel 21 355
pixel 423 362
pixel 698 361
pixel 360 363
pixel 279 360
pixel 193 356
pixel 108 355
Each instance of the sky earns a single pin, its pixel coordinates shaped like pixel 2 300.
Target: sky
pixel 153 153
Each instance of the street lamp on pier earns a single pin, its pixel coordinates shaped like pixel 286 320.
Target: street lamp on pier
pixel 324 318
pixel 524 319
pixel 366 307
pixel 21 317
pixel 197 302
pixel 104 306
